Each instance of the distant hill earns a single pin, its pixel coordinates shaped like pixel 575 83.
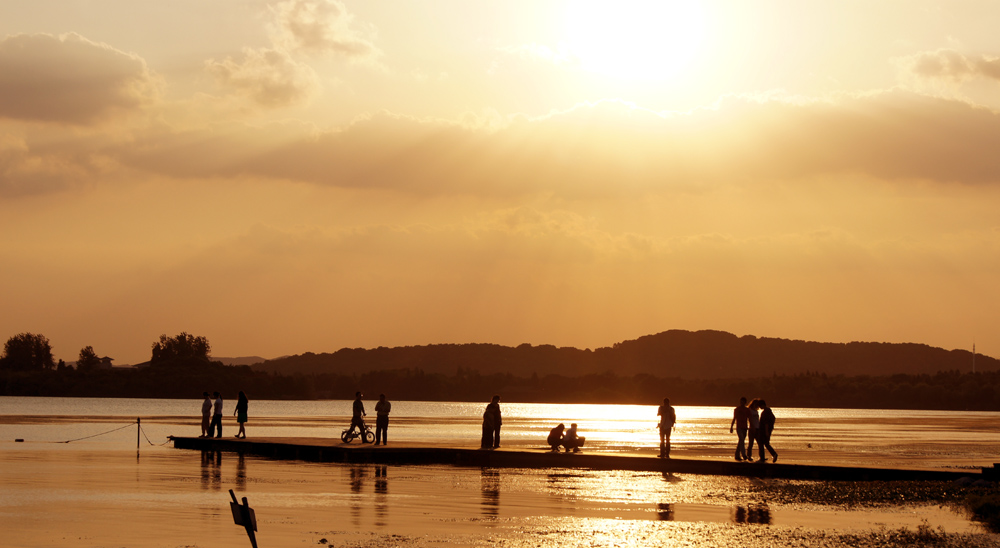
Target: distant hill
pixel 671 354
pixel 246 360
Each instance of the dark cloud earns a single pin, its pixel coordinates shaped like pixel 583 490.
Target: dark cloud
pixel 69 79
pixel 951 65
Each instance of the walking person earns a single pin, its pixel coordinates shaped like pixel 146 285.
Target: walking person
pixel 667 420
pixel 241 414
pixel 491 425
pixel 741 419
pixel 206 415
pixel 216 417
pixel 753 433
pixel 382 409
pixel 764 434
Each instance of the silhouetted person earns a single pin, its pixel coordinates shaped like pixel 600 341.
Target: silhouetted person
pixel 357 413
pixel 216 417
pixel 754 431
pixel 571 441
pixel 382 409
pixel 241 414
pixel 491 425
pixel 667 420
pixel 741 419
pixel 206 415
pixel 764 434
pixel 555 437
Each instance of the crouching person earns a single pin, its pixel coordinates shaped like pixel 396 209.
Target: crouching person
pixel 555 438
pixel 571 441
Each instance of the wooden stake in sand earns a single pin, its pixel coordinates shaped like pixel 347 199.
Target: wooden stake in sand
pixel 244 515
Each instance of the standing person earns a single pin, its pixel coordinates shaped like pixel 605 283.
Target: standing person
pixel 357 412
pixel 206 415
pixel 216 416
pixel 741 418
pixel 754 432
pixel 667 420
pixel 382 409
pixel 491 425
pixel 764 434
pixel 241 414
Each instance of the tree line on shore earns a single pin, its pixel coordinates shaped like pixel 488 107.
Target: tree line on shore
pixel 180 367
pixel 671 354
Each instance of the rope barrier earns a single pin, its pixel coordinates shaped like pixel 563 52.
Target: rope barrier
pixel 95 435
pixel 147 438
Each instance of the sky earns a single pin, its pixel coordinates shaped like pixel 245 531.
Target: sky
pixel 306 175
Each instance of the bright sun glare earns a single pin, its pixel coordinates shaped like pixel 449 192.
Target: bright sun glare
pixel 634 39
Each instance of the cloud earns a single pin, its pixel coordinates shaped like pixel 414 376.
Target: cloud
pixel 69 79
pixel 596 150
pixel 948 64
pixel 269 77
pixel 46 167
pixel 615 148
pixel 322 27
pixel 278 76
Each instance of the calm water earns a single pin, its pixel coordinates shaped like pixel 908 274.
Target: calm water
pixel 79 492
pixel 923 439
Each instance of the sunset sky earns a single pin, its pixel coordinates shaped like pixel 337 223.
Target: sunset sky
pixel 305 175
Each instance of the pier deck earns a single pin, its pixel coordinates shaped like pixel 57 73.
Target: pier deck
pixel 333 450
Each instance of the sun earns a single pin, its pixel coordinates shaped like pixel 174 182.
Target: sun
pixel 634 39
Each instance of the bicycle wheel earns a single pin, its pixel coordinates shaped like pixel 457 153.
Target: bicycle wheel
pixel 369 436
pixel 346 436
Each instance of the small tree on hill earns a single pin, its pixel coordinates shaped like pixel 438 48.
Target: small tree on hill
pixel 88 359
pixel 27 352
pixel 183 347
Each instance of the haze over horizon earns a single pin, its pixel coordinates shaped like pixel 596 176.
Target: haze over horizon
pixel 305 175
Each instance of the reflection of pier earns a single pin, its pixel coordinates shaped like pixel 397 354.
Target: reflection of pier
pixel 330 450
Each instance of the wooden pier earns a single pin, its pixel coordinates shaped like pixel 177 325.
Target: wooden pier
pixel 330 450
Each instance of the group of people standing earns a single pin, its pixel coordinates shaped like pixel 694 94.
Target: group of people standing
pixel 753 427
pixel 382 409
pixel 211 422
pixel 753 423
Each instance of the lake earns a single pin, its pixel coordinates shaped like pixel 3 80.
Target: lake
pixel 98 490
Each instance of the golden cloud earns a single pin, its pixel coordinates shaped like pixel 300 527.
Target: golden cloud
pixel 594 150
pixel 269 77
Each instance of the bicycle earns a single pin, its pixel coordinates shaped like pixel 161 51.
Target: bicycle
pixel 366 434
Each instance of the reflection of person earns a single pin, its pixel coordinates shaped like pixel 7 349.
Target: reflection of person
pixel 764 434
pixel 357 412
pixel 206 415
pixel 667 420
pixel 241 414
pixel 382 409
pixel 741 419
pixel 571 441
pixel 216 417
pixel 753 435
pixel 491 425
pixel 555 437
